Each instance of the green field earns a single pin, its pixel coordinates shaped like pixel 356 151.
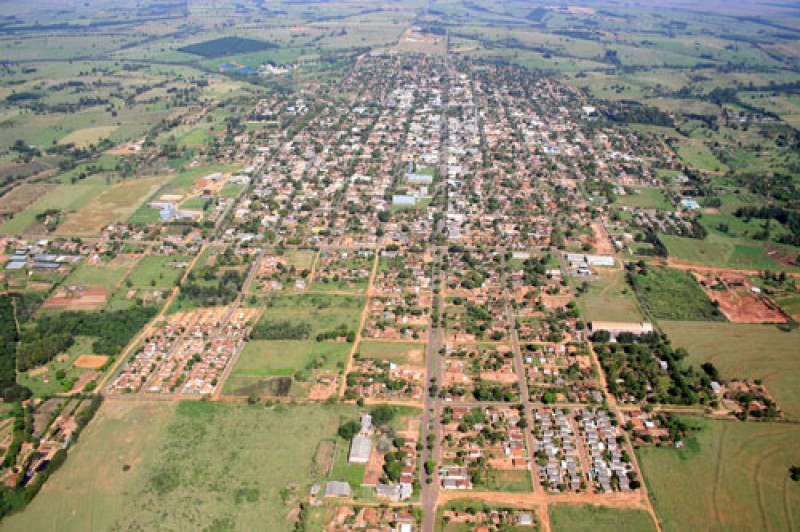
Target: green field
pixel 721 251
pixel 46 383
pixel 646 198
pixel 284 358
pixel 101 276
pixel 609 298
pixel 746 351
pixel 192 465
pixel 735 476
pixel 154 272
pixel 397 352
pixel 665 293
pixel 588 518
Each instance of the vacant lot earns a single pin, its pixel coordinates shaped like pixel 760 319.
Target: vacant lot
pixel 646 198
pixel 609 298
pixel 101 276
pixel 157 272
pixel 579 518
pixel 192 465
pixel 673 295
pixel 746 351
pixel 397 352
pixel 739 475
pixel 114 204
pixel 264 359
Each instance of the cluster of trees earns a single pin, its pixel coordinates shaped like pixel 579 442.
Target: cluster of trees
pixel 54 334
pixel 492 392
pixel 342 331
pixel 281 330
pixel 640 114
pixel 653 373
pixel 10 391
pixel 223 292
pixel 15 499
pixel 791 219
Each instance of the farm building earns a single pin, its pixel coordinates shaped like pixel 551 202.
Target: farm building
pixel 615 328
pixel 335 488
pixel 360 449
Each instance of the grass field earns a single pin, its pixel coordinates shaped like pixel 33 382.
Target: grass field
pixel 646 198
pixel 82 138
pixel 739 478
pixel 283 358
pixel 697 155
pixel 610 299
pixel 154 272
pixel 397 352
pixel 589 518
pixel 673 294
pixel 717 250
pixel 46 383
pixel 101 276
pixel 193 465
pixel 746 351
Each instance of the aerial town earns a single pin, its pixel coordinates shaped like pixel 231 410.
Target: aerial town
pixel 430 293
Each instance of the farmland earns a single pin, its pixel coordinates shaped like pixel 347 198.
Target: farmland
pixel 145 464
pixel 739 478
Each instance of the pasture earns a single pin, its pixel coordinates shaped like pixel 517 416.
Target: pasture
pixel 147 465
pixel 746 351
pixel 739 475
pixel 590 518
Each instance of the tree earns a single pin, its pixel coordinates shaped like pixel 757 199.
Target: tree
pixel 349 429
pixel 794 472
pixel 382 414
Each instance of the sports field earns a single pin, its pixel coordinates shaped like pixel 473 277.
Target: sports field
pixel 735 476
pixel 184 466
pixel 746 351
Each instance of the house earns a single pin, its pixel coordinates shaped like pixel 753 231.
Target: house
pixel 615 328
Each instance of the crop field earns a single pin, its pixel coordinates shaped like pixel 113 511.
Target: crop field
pixel 721 251
pixel 589 518
pixel 64 197
pixel 739 478
pixel 152 465
pixel 665 293
pixel 746 351
pixel 115 204
pixel 609 298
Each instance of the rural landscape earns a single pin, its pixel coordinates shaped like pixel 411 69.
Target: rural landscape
pixel 409 266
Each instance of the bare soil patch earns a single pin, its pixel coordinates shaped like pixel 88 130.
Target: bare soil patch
pixel 736 299
pixel 79 299
pixel 90 361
